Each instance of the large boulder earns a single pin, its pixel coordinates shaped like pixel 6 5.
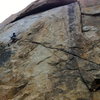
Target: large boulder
pixel 56 57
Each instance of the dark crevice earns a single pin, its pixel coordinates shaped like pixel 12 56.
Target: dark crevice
pixel 43 60
pixel 17 90
pixel 94 15
pixel 95 85
pixel 81 21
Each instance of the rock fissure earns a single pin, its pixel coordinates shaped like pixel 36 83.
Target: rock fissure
pixel 63 50
pixel 81 76
pixel 94 15
pixel 43 60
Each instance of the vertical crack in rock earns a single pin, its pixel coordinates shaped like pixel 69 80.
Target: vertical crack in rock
pixel 74 37
pixel 81 21
pixel 71 13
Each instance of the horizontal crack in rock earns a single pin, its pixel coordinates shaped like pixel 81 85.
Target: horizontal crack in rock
pixel 63 50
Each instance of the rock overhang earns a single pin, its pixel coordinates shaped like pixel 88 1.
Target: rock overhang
pixel 36 7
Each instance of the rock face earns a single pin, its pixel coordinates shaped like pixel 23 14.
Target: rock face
pixel 37 7
pixel 90 7
pixel 57 56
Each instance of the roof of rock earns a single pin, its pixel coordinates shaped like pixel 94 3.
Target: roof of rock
pixel 43 5
pixel 36 7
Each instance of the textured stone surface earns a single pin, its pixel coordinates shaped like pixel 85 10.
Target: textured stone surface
pixel 91 7
pixel 55 58
pixel 36 7
pixel 89 3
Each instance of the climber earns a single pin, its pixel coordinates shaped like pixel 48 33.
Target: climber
pixel 13 38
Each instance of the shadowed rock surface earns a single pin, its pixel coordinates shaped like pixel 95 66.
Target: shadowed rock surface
pixel 37 7
pixel 57 56
pixel 88 7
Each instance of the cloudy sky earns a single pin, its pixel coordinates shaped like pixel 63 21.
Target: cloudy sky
pixel 8 7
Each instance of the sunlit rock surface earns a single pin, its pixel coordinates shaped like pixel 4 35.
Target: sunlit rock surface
pixel 56 57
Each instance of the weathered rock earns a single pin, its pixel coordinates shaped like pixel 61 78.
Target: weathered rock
pixel 36 7
pixel 90 7
pixel 89 28
pixel 53 59
pixel 93 11
pixel 89 3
